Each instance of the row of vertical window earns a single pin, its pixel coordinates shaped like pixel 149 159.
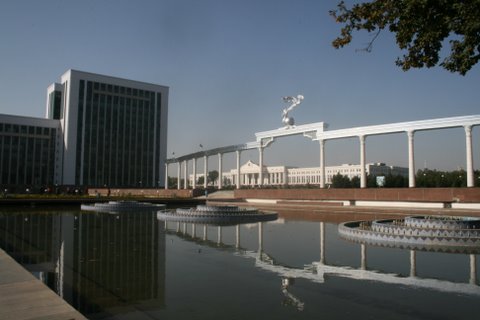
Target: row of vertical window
pixel 24 129
pixel 115 135
pixel 27 160
pixel 105 88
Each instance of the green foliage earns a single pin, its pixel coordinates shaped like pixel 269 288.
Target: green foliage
pixel 421 28
pixel 341 181
pixel 172 183
pixel 443 179
pixel 355 182
pixel 396 181
pixel 212 176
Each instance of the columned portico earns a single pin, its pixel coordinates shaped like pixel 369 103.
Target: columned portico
pixel 411 159
pixel 363 173
pixel 469 156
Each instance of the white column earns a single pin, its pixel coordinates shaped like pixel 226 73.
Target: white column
pixel 205 171
pixel 220 174
pixel 166 176
pixel 363 263
pixel 260 238
pixel 411 159
pixel 468 140
pixel 473 269
pixel 204 232
pixel 194 173
pixel 363 173
pixel 185 174
pixel 322 163
pixel 178 175
pixel 237 242
pixel 322 243
pixel 260 163
pixel 238 170
pixel 194 230
pixel 413 263
pixel 219 236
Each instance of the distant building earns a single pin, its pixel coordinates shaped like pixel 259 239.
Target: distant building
pixel 102 131
pixel 284 175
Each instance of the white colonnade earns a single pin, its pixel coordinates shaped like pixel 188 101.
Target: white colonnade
pixel 318 132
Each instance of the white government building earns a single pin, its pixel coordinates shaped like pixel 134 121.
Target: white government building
pixel 287 175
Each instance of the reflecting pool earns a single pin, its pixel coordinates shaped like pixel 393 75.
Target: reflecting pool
pixel 133 266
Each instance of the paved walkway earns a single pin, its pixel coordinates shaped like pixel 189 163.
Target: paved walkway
pixel 22 296
pixel 298 208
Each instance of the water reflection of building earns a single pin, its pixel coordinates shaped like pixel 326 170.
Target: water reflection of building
pixel 99 263
pixel 319 271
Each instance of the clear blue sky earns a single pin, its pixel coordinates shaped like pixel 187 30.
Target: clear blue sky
pixel 228 63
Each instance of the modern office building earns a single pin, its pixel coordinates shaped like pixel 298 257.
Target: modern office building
pixel 29 151
pixel 108 132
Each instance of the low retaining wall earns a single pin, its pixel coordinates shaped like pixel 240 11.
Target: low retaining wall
pixel 444 195
pixel 155 193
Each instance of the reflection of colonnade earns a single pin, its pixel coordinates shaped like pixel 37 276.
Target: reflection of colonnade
pixel 318 132
pixel 318 270
pixel 413 258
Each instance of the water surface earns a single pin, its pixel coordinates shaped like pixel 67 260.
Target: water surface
pixel 133 266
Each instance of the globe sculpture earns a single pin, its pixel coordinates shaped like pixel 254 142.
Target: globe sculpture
pixel 294 102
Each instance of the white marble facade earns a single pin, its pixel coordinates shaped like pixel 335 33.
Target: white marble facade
pixel 286 175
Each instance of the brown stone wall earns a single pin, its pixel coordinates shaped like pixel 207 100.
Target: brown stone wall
pixel 373 194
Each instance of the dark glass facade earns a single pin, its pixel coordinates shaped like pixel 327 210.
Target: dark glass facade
pixel 27 155
pixel 55 105
pixel 118 136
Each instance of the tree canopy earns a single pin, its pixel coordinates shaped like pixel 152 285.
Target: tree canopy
pixel 421 28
